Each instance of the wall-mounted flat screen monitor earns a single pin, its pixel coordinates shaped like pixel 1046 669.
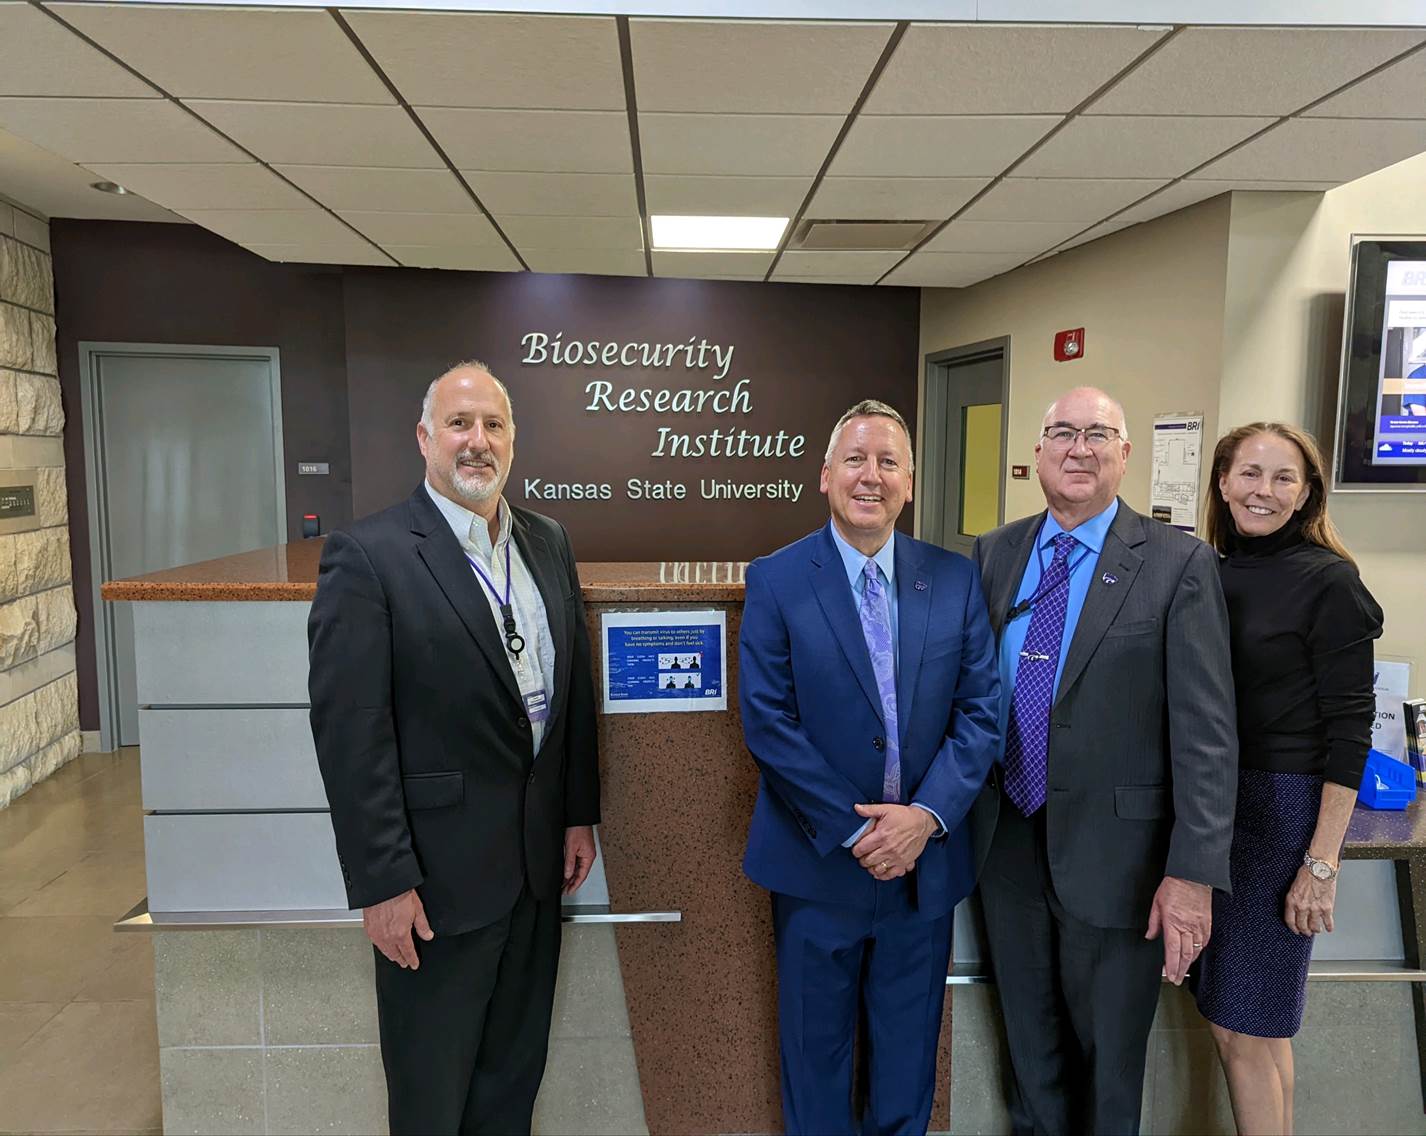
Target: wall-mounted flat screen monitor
pixel 1381 412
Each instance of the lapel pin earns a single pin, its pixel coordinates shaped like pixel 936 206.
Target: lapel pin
pixel 1109 578
pixel 920 585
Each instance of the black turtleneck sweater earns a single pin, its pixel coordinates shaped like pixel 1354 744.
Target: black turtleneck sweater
pixel 1302 625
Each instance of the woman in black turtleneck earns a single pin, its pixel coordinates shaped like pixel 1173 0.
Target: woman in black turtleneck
pixel 1302 626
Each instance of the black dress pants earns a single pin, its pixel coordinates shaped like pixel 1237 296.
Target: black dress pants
pixel 1078 1000
pixel 464 1036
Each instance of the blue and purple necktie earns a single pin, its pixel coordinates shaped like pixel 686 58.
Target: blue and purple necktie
pixel 1027 736
pixel 876 627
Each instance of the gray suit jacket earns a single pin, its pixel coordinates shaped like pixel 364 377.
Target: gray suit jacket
pixel 1143 750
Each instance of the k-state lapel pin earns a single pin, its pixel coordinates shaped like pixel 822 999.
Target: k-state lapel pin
pixel 919 585
pixel 1108 578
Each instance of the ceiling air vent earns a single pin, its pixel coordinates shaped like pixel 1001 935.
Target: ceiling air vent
pixel 845 236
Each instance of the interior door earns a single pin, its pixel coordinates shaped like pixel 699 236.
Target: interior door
pixel 189 465
pixel 963 482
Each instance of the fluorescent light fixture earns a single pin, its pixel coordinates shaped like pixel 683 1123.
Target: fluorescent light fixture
pixel 718 234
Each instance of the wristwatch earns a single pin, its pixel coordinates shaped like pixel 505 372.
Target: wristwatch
pixel 1320 869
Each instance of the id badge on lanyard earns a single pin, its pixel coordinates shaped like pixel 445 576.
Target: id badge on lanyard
pixel 532 690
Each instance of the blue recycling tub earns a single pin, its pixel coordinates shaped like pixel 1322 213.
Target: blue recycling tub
pixel 1386 782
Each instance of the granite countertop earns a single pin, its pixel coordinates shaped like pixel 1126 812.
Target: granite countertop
pixel 1384 834
pixel 289 572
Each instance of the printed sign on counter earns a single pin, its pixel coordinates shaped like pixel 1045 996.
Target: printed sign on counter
pixel 662 661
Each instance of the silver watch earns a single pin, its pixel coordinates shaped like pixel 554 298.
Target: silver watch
pixel 1320 869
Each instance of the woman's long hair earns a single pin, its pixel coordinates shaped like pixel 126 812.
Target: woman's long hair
pixel 1317 526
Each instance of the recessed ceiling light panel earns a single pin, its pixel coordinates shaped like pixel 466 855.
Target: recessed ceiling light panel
pixel 717 234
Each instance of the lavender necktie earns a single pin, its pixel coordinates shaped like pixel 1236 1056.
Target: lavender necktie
pixel 1028 734
pixel 876 626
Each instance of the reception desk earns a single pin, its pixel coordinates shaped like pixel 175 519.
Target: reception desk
pixel 665 1013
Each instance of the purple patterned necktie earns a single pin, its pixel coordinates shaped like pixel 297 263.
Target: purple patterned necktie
pixel 876 627
pixel 1027 736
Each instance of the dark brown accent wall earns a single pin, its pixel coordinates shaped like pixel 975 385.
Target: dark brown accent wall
pixel 359 345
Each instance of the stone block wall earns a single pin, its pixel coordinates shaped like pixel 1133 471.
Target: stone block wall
pixel 39 710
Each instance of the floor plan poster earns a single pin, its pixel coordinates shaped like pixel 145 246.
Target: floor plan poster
pixel 1178 450
pixel 660 661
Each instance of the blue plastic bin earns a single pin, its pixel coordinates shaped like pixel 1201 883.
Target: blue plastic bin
pixel 1386 782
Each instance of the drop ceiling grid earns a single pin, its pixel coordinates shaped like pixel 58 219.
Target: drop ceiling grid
pixel 758 141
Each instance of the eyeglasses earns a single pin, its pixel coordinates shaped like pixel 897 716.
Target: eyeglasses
pixel 1063 437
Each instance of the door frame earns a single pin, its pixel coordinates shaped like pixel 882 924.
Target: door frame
pixel 935 443
pixel 100 558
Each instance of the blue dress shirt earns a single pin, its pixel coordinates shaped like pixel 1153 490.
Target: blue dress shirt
pixel 1083 559
pixel 855 564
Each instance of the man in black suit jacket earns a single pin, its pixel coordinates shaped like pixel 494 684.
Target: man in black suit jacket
pixel 1107 821
pixel 453 713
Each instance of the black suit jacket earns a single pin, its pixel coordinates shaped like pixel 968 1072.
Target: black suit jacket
pixel 1143 748
pixel 420 730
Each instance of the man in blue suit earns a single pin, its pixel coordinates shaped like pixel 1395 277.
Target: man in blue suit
pixel 870 701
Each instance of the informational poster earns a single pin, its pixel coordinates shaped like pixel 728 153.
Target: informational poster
pixel 1178 453
pixel 664 661
pixel 1400 436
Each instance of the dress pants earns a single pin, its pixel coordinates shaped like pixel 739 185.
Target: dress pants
pixel 464 1036
pixel 834 962
pixel 1078 1000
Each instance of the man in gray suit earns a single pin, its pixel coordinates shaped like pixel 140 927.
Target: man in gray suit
pixel 1107 821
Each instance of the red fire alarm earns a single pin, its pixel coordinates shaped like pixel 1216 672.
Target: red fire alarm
pixel 1069 344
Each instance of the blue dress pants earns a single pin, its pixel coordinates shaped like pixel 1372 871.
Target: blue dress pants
pixel 834 962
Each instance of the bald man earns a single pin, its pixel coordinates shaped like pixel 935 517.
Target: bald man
pixel 453 713
pixel 1106 823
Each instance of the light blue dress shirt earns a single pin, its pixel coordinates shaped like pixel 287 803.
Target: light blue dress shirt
pixel 855 564
pixel 1083 561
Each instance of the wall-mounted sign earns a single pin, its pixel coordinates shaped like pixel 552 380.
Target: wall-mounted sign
pixel 17 501
pixel 661 661
pixel 1020 472
pixel 1178 450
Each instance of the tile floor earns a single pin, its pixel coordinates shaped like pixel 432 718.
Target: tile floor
pixel 78 1043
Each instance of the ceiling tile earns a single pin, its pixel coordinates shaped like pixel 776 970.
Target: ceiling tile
pixel 1057 199
pixel 48 184
pixel 940 146
pixel 1323 149
pixel 556 141
pixel 357 187
pixel 695 196
pixel 951 269
pixel 744 144
pixel 116 130
pixel 554 195
pixel 781 279
pixel 466 230
pixel 591 262
pixel 475 258
pixel 1002 236
pixel 752 66
pixel 38 56
pixel 323 134
pixel 1002 69
pixel 357 253
pixel 1113 148
pixel 574 232
pixel 853 267
pixel 699 264
pixel 233 53
pixel 892 198
pixel 1253 71
pixel 213 186
pixel 1392 93
pixel 273 226
pixel 469 59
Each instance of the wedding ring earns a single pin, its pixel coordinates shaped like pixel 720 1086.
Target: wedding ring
pixel 885 864
pixel 1197 946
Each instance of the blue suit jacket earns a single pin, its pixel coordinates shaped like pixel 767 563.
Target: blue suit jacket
pixel 813 722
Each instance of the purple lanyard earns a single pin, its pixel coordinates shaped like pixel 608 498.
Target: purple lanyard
pixel 514 643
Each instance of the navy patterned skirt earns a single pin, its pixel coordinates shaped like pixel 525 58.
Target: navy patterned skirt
pixel 1252 976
